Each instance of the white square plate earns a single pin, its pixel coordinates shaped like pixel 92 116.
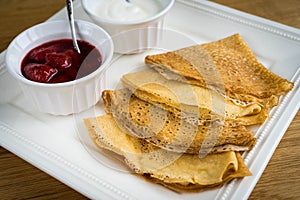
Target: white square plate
pixel 60 145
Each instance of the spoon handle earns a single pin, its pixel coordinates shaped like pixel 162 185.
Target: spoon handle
pixel 72 25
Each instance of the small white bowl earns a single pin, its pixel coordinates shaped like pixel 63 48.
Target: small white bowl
pixel 67 97
pixel 130 36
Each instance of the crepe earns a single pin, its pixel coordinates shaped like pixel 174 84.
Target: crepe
pixel 227 66
pixel 150 86
pixel 180 172
pixel 169 131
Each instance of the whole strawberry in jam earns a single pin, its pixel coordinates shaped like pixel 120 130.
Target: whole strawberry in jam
pixel 56 61
pixel 60 61
pixel 39 72
pixel 39 54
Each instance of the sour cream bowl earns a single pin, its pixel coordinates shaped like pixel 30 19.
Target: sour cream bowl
pixel 134 26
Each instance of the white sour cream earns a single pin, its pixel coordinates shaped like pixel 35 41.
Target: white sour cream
pixel 120 10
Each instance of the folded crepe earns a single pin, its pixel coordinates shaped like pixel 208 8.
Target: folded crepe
pixel 150 86
pixel 180 172
pixel 227 66
pixel 169 131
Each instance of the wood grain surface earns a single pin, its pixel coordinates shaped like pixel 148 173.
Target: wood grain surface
pixel 20 180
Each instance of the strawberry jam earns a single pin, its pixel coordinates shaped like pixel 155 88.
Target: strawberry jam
pixel 57 61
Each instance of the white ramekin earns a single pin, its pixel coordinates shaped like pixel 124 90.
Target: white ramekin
pixel 131 36
pixel 60 98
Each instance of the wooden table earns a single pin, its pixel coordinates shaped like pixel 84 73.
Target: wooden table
pixel 20 180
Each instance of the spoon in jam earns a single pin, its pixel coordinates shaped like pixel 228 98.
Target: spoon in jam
pixel 72 25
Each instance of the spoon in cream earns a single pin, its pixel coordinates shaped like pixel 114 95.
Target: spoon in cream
pixel 72 25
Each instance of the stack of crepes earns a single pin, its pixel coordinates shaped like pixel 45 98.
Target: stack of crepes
pixel 183 122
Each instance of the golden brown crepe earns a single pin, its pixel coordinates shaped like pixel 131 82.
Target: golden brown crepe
pixel 181 123
pixel 180 172
pixel 228 66
pixel 151 87
pixel 169 131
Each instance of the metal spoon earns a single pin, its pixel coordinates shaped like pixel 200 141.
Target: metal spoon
pixel 72 26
